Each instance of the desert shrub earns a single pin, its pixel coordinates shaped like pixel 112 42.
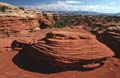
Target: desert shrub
pixel 22 8
pixel 31 30
pixel 3 8
pixel 59 25
pixel 108 19
pixel 91 21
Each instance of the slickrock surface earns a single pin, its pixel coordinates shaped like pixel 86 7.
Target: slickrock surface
pixel 114 32
pixel 17 65
pixel 14 19
pixel 76 43
pixel 16 24
pixel 67 49
pixel 7 8
pixel 11 10
pixel 111 37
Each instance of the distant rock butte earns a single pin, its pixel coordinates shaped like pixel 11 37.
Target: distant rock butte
pixel 68 49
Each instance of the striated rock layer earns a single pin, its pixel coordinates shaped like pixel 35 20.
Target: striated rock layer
pixel 14 19
pixel 16 24
pixel 67 49
pixel 48 20
pixel 64 48
pixel 111 37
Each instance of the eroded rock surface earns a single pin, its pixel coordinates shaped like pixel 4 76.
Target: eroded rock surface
pixel 69 49
pixel 111 37
pixel 10 25
pixel 45 23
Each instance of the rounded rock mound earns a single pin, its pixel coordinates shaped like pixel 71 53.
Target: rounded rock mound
pixel 69 49
pixel 72 49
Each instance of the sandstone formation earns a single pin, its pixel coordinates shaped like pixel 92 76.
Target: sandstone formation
pixel 7 8
pixel 14 19
pixel 48 16
pixel 11 10
pixel 12 24
pixel 111 37
pixel 67 49
pixel 107 33
pixel 53 17
pixel 45 23
pixel 56 17
pixel 48 20
pixel 72 48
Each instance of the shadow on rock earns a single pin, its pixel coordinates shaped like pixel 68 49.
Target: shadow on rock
pixel 25 62
pixel 31 59
pixel 111 42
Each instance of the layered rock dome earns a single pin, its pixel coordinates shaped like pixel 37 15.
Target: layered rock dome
pixel 67 49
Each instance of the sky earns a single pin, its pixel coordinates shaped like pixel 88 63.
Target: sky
pixel 103 6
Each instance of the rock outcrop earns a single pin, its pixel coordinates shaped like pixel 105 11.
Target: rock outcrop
pixel 7 8
pixel 45 23
pixel 67 49
pixel 48 20
pixel 111 37
pixel 15 19
pixel 12 24
pixel 107 33
pixel 72 48
pixel 11 10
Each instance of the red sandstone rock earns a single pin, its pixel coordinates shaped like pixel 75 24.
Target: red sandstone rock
pixel 48 20
pixel 16 24
pixel 69 49
pixel 56 17
pixel 45 23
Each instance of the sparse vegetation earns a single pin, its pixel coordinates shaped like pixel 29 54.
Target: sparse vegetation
pixel 94 22
pixel 31 30
pixel 3 8
pixel 22 8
